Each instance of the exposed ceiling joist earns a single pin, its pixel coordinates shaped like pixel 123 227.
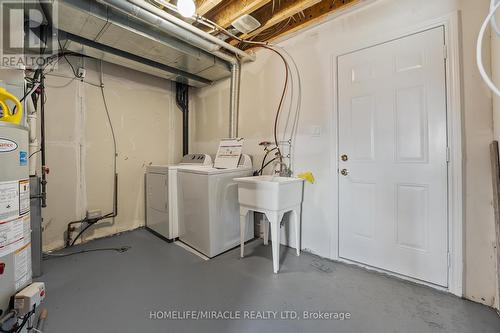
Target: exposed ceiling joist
pixel 204 6
pixel 235 9
pixel 274 28
pixel 286 10
pixel 316 13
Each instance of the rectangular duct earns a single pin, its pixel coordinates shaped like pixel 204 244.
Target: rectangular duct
pixel 110 29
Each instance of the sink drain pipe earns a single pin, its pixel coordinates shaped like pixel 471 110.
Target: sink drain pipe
pixel 182 99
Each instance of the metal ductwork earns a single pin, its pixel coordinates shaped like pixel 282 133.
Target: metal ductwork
pixel 104 32
pixel 138 35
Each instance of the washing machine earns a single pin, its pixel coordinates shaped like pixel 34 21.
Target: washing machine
pixel 209 214
pixel 161 195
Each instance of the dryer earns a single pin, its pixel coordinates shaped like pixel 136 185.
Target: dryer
pixel 209 218
pixel 161 195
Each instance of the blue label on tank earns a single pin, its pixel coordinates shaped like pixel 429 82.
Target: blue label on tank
pixel 23 158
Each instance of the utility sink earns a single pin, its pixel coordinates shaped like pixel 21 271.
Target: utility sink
pixel 273 196
pixel 272 193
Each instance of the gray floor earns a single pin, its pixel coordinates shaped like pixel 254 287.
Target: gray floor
pixel 113 292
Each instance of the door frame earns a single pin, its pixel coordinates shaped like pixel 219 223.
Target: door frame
pixel 452 36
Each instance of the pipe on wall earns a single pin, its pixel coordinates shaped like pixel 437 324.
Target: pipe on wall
pixel 182 99
pixel 234 110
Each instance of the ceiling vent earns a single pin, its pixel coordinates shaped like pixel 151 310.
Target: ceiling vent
pixel 246 24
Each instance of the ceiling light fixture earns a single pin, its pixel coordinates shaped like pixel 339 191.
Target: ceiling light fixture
pixel 186 8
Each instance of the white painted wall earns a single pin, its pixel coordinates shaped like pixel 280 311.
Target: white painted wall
pixel 79 145
pixel 313 50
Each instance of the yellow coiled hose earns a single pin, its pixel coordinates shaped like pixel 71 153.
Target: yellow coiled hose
pixel 7 114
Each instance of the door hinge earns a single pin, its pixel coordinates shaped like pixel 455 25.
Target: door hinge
pixel 445 51
pixel 449 259
pixel 448 154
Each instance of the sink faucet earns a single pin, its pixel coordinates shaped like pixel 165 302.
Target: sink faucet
pixel 284 170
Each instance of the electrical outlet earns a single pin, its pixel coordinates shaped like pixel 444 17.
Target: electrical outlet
pixel 94 214
pixel 81 72
pixel 316 131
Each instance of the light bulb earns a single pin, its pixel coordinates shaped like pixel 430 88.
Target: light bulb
pixel 186 8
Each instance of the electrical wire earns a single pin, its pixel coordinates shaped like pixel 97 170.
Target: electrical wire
pixel 113 135
pixel 122 249
pixel 31 91
pixel 82 231
pixel 67 60
pixel 108 116
pixel 35 152
pixel 115 149
pixel 479 50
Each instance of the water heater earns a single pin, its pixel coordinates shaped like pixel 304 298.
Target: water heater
pixel 15 230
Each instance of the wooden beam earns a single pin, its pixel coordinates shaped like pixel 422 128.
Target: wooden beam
pixel 236 8
pixel 204 6
pixel 287 9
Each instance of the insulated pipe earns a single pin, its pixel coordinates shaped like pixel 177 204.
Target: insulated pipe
pixel 186 26
pixel 235 99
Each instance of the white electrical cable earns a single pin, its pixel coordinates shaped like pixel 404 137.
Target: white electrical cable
pixel 479 50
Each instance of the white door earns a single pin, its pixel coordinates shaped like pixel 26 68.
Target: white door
pixel 393 177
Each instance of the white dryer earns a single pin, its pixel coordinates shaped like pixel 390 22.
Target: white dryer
pixel 161 195
pixel 209 217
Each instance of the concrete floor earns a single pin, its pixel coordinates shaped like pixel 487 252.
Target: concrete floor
pixel 113 292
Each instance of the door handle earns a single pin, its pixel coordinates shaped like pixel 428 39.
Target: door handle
pixel 344 158
pixel 344 172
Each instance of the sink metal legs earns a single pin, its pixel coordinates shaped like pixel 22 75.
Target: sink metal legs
pixel 274 218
